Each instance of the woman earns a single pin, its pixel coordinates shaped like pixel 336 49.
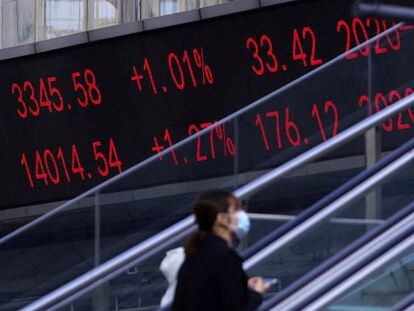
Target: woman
pixel 212 277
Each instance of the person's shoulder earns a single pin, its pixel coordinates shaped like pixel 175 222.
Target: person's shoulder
pixel 226 256
pixel 230 254
pixel 216 246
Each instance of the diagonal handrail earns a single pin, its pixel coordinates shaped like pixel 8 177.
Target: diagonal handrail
pixel 247 190
pixel 306 281
pixel 351 259
pixel 407 303
pixel 318 206
pixel 354 182
pixel 193 137
pixel 389 253
pixel 330 209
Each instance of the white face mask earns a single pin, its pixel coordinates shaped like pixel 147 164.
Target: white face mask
pixel 243 224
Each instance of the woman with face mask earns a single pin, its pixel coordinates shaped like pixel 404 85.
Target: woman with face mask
pixel 212 277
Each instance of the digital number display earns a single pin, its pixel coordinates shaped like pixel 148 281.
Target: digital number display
pixel 73 117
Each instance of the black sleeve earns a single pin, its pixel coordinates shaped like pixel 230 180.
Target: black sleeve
pixel 233 285
pixel 254 299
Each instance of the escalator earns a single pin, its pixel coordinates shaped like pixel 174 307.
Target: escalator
pixel 331 250
pixel 151 202
pixel 288 257
pixel 381 284
pixel 373 273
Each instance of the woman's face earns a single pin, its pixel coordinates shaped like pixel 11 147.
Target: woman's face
pixel 229 218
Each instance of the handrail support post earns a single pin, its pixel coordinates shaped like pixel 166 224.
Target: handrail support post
pixel 373 155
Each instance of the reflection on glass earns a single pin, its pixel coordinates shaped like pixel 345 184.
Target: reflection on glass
pixel 205 3
pixel 168 7
pixel 103 13
pixel 129 11
pixel 26 21
pixel 142 286
pixel 385 288
pixel 17 22
pixel 60 18
pixel 153 8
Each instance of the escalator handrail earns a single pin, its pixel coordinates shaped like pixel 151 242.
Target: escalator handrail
pixel 93 285
pixel 406 303
pixel 138 250
pixel 244 191
pixel 330 210
pixel 389 252
pixel 331 197
pixel 350 184
pixel 315 208
pixel 344 253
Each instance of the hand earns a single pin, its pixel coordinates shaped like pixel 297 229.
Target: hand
pixel 256 283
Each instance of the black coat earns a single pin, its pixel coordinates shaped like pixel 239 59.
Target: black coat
pixel 213 279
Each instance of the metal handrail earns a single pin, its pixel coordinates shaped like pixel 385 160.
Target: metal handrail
pixel 193 137
pixel 329 210
pixel 323 203
pixel 351 264
pixel 354 182
pixel 247 190
pixel 323 279
pixel 392 253
pixel 407 303
pixel 326 200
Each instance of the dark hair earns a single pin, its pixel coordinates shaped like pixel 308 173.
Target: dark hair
pixel 206 208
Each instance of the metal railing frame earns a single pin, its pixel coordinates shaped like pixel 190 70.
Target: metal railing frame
pixel 407 303
pixel 342 264
pixel 322 204
pixel 330 210
pixel 392 253
pixel 364 180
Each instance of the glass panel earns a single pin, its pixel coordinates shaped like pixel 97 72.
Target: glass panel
pixel 392 79
pixel 341 229
pixel 56 18
pixel 143 285
pixel 34 262
pixel 17 22
pixel 153 8
pixel 286 265
pixel 130 10
pixel 103 13
pixel 205 3
pixel 384 288
pixel 301 256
